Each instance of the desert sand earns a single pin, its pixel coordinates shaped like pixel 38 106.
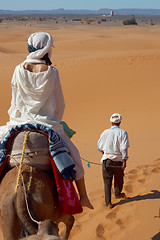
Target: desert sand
pixel 104 70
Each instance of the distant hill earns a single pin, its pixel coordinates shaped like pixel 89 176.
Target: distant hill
pixel 137 11
pixel 62 11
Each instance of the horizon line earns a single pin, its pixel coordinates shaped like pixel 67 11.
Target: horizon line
pixel 80 9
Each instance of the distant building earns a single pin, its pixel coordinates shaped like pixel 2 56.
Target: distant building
pixel 112 13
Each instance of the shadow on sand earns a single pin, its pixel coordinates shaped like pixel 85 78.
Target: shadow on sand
pixel 153 195
pixel 156 237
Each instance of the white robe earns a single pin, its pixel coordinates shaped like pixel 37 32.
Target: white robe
pixel 36 98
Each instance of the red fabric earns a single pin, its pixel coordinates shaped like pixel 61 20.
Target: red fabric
pixel 3 165
pixel 2 168
pixel 69 203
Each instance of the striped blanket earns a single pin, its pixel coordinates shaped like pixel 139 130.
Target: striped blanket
pixel 57 147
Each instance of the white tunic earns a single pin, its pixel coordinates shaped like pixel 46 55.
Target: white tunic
pixel 114 143
pixel 36 98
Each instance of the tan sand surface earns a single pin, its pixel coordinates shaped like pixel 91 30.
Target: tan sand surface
pixel 104 70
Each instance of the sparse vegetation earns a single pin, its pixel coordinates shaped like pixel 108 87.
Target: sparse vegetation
pixel 131 21
pixel 88 21
pixel 104 20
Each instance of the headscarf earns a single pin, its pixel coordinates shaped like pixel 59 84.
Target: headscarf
pixel 116 118
pixel 40 47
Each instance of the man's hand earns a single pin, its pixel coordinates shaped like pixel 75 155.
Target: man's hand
pixel 124 164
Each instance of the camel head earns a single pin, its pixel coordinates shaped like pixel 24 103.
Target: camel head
pixel 47 227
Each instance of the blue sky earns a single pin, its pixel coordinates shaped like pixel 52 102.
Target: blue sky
pixel 77 4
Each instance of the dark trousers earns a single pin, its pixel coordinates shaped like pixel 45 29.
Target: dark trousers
pixel 110 169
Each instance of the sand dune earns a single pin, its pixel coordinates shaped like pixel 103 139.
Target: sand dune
pixel 104 70
pixel 134 218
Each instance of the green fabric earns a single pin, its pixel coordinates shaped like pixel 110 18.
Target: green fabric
pixel 67 130
pixel 31 48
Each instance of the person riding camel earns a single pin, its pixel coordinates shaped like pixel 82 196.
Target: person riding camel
pixel 37 97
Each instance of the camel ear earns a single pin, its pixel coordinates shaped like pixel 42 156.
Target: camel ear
pixel 48 227
pixel 55 228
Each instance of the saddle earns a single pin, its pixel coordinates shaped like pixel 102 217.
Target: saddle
pixel 43 150
pixel 36 151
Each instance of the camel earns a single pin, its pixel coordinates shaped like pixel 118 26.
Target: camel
pixel 42 200
pixel 47 230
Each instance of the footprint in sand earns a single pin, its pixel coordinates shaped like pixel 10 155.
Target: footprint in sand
pixel 111 215
pixel 132 174
pixel 128 188
pixel 100 231
pixel 120 223
pixel 132 177
pixel 145 172
pixel 146 166
pixel 141 180
pixel 133 171
pixel 156 170
pixel 131 60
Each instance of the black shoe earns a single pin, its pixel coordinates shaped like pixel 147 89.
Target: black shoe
pixel 110 206
pixel 121 195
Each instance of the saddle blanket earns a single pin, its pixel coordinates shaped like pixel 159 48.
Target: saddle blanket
pixel 57 147
pixel 62 164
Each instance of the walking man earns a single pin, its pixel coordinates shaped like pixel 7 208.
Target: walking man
pixel 113 144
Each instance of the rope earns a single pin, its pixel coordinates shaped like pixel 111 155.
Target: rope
pixel 20 176
pixel 25 196
pixel 28 154
pixel 30 178
pixel 22 158
pixel 88 162
pixel 99 164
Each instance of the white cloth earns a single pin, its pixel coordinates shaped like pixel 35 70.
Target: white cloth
pixel 75 156
pixel 116 118
pixel 114 143
pixel 43 42
pixel 36 97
